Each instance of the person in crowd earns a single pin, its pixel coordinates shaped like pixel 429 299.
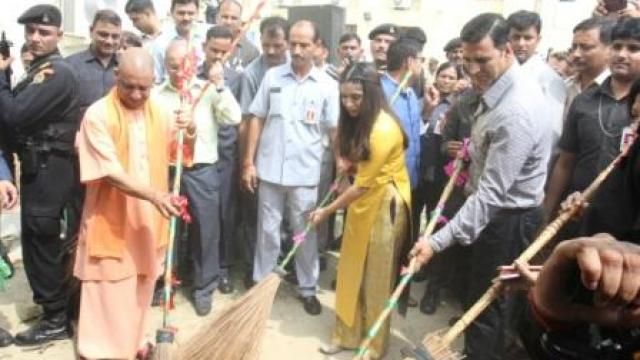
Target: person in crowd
pixel 402 60
pixel 296 105
pixel 380 38
pixel 41 115
pixel 453 51
pixel 371 145
pixel 122 242
pixel 184 15
pixel 510 148
pixel 218 45
pixel 127 40
pixel 432 173
pixel 590 56
pixel 143 16
pixel 349 49
pixel 230 14
pixel 597 121
pixel 26 57
pixel 524 38
pixel 560 63
pixel 201 181
pixel 632 9
pixel 274 32
pixel 94 66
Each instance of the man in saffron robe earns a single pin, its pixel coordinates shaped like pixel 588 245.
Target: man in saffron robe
pixel 123 147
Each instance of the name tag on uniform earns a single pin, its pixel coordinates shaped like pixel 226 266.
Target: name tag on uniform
pixel 275 90
pixel 310 116
pixel 627 137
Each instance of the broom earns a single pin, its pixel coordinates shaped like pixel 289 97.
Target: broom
pixel 412 268
pixel 245 319
pixel 247 316
pixel 437 346
pixel 165 335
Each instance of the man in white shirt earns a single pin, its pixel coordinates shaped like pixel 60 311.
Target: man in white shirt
pixel 524 37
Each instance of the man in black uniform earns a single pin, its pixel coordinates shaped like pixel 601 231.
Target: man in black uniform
pixel 41 114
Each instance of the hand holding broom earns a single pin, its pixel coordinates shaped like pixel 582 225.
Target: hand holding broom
pixel 437 346
pixel 413 267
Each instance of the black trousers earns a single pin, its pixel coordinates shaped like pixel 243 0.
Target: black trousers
pixel 227 173
pixel 47 199
pixel 506 236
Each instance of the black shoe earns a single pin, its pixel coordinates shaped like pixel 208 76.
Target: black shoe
pixel 48 329
pixel 224 285
pixel 248 281
pixel 5 338
pixel 311 305
pixel 430 301
pixel 202 305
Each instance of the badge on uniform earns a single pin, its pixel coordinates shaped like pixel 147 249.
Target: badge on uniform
pixel 42 75
pixel 626 139
pixel 310 114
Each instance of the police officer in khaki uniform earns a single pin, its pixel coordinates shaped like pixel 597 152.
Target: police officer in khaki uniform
pixel 41 115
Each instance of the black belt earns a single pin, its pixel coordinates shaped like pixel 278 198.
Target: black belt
pixel 197 166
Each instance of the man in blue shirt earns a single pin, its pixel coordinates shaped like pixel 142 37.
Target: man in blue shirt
pixel 402 59
pixel 8 199
pixel 295 106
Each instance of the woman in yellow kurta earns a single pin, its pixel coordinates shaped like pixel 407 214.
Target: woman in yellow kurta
pixel 377 225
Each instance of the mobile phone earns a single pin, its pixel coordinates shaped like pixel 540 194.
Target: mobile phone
pixel 615 5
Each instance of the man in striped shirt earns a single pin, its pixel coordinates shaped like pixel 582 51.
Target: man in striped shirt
pixel 510 149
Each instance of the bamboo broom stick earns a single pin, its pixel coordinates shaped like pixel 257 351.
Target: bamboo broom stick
pixel 393 301
pixel 436 344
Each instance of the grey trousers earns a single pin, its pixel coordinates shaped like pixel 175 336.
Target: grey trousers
pixel 202 186
pixel 297 201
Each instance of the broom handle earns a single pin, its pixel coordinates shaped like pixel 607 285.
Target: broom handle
pixel 309 226
pixel 393 300
pixel 172 232
pixel 402 85
pixel 549 232
pixel 255 16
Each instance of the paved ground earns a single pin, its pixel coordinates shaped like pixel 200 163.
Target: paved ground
pixel 291 333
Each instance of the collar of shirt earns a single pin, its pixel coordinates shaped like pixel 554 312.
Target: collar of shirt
pixel 599 80
pixel 605 89
pixel 314 74
pixel 196 84
pixel 492 96
pixel 387 77
pixel 90 56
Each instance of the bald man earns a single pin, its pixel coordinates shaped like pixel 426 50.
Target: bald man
pixel 202 180
pixel 123 147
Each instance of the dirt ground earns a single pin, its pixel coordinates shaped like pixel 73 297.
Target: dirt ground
pixel 291 333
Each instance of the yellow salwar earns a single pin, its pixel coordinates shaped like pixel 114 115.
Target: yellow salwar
pixel 376 227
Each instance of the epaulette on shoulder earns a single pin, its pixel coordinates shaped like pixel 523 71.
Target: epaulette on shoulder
pixel 42 72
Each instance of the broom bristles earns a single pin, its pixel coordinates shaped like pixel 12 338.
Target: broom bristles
pixel 437 349
pixel 235 333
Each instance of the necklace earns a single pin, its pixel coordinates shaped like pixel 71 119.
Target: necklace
pixel 605 131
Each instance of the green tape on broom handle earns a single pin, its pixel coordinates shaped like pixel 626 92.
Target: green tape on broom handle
pixel 309 226
pixel 401 86
pixel 411 270
pixel 172 232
